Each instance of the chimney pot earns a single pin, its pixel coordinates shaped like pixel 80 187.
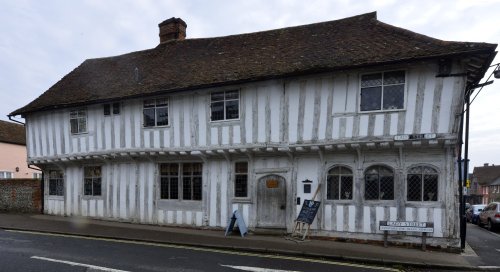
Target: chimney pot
pixel 172 29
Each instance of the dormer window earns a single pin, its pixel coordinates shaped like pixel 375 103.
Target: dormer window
pixel 383 91
pixel 225 105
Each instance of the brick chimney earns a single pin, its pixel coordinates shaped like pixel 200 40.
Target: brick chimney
pixel 172 29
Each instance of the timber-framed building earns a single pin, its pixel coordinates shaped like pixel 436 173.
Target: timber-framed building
pixel 193 129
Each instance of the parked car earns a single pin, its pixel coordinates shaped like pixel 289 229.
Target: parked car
pixel 490 216
pixel 472 214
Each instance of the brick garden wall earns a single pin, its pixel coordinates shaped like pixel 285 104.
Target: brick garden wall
pixel 20 195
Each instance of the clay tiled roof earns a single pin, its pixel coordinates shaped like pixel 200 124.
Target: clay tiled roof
pixel 487 174
pixel 12 133
pixel 195 63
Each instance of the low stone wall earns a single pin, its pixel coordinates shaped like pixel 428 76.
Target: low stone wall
pixel 20 195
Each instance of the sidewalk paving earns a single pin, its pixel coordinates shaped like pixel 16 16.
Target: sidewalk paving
pixel 343 251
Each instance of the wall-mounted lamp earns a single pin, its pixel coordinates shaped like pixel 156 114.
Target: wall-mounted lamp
pixel 17 169
pixel 496 73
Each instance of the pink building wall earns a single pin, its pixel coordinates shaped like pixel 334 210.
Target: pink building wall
pixel 12 156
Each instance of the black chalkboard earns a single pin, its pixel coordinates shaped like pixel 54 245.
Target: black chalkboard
pixel 308 211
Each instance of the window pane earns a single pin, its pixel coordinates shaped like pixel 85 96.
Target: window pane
pixel 97 186
pixel 430 187
pixel 74 125
pixel 107 110
pixel 240 186
pixel 186 188
pixel 52 187
pixel 197 169
pixel 217 96
pixel 187 169
pixel 149 117
pixel 150 103
pixel 395 77
pixel 241 167
pixel 197 188
pixel 370 98
pixel 371 80
pixel 116 108
pixel 73 114
pixel 174 188
pixel 87 187
pixel 82 125
pixel 346 187
pixel 217 110
pixel 393 97
pixel 371 187
pixel 162 116
pixel 60 187
pixel 162 102
pixel 164 188
pixel 333 184
pixel 232 111
pixel 232 95
pixel 387 188
pixel 414 187
pixel 345 171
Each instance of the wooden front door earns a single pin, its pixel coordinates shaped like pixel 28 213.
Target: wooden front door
pixel 271 202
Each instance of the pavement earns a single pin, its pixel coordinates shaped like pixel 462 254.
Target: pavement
pixel 272 244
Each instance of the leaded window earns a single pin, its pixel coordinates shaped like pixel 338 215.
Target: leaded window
pixel 78 121
pixel 56 183
pixel 191 181
pixel 241 179
pixel 379 183
pixel 169 180
pixel 339 183
pixel 383 91
pixel 422 184
pixel 181 176
pixel 225 105
pixel 92 180
pixel 155 112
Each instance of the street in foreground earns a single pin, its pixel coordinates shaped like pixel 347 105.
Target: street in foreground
pixel 26 251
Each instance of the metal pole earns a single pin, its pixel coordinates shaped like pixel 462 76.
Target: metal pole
pixel 463 225
pixel 460 188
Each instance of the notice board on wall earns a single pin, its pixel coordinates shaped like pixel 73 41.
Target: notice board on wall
pixel 308 211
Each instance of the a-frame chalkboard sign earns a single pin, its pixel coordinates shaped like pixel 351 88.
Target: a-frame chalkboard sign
pixel 306 217
pixel 238 219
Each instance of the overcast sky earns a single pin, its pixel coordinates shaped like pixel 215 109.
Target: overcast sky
pixel 41 41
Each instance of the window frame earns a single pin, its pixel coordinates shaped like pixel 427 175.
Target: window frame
pixel 224 100
pixel 339 189
pixel 58 181
pixel 155 108
pixel 405 91
pixel 78 124
pixel 235 176
pixel 180 182
pixel 3 175
pixel 422 185
pixel 93 195
pixel 378 182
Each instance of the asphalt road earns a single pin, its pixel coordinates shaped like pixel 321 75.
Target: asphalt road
pixel 23 251
pixel 486 245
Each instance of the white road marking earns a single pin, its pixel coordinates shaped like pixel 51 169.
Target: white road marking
pixel 100 268
pixel 221 251
pixel 256 269
pixel 489 267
